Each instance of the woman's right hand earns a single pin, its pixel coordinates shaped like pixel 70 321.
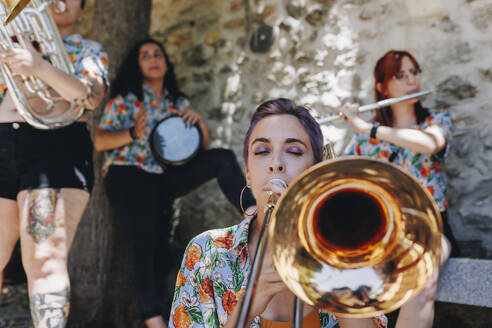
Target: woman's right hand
pixel 275 186
pixel 273 191
pixel 140 124
pixel 269 284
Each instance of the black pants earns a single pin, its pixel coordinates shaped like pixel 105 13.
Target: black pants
pixel 139 200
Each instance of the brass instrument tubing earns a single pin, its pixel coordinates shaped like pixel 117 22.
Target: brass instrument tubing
pixel 255 270
pixel 259 256
pixel 298 313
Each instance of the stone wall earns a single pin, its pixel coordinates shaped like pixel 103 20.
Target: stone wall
pixel 232 55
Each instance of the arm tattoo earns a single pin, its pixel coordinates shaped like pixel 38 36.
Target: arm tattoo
pixel 50 310
pixel 41 217
pixel 93 93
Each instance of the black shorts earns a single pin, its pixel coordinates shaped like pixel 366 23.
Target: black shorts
pixel 32 158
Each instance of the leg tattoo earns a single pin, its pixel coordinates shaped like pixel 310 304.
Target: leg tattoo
pixel 50 310
pixel 41 217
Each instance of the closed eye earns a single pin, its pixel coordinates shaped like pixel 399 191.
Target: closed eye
pixel 295 150
pixel 261 149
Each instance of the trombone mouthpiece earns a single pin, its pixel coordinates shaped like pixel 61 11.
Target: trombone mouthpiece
pixel 278 182
pixel 274 196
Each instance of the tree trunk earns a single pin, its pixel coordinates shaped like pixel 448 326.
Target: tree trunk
pixel 100 294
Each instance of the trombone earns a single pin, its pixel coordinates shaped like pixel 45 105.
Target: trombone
pixel 352 236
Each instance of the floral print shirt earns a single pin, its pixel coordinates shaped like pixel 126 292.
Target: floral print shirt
pixel 213 277
pixel 428 169
pixel 88 58
pixel 119 115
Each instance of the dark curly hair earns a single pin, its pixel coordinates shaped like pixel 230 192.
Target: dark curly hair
pixel 129 77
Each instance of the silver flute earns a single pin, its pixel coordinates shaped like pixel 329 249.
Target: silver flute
pixel 379 104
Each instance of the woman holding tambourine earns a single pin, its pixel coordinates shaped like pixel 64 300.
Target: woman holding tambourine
pixel 139 187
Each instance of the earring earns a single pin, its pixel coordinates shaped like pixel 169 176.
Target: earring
pixel 251 209
pixel 241 197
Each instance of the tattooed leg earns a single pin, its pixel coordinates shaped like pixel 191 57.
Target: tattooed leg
pixel 48 222
pixel 50 310
pixel 41 216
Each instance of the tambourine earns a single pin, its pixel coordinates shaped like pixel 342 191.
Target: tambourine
pixel 173 142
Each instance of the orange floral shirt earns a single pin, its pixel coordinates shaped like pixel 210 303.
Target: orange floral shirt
pixel 428 169
pixel 213 277
pixel 119 114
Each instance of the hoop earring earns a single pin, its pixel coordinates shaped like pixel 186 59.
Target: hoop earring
pixel 246 214
pixel 241 197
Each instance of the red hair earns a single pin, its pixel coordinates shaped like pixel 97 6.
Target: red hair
pixel 386 68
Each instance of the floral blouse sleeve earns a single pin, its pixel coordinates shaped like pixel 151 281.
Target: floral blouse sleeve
pixel 445 123
pixel 352 146
pixel 212 278
pixel 193 302
pixel 116 115
pixel 92 61
pixel 3 88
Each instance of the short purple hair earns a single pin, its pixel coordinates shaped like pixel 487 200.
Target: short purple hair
pixel 286 106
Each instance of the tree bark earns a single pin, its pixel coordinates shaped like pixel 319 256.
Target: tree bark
pixel 100 295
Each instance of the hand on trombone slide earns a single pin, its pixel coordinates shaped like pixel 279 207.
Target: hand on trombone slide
pixel 275 187
pixel 268 285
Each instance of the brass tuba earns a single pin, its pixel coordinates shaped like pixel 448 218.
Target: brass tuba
pixel 355 236
pixel 36 102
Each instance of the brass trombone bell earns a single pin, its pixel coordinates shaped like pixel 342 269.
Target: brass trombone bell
pixel 355 236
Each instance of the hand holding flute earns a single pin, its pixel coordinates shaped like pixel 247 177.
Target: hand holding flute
pixel 350 114
pixel 379 104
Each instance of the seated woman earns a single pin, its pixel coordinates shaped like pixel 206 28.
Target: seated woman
pixel 282 141
pixel 139 189
pixel 415 138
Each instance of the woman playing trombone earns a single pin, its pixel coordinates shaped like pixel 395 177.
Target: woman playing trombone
pixel 282 141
